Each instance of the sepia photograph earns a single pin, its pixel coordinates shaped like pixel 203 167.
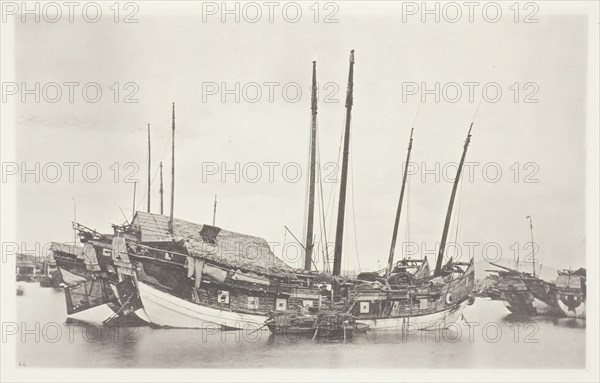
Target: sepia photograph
pixel 299 191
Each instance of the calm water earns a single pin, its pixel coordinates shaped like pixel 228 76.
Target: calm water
pixel 499 341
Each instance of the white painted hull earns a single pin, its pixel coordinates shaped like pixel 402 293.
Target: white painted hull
pixel 71 279
pixel 578 312
pixel 434 321
pixel 164 309
pixel 95 315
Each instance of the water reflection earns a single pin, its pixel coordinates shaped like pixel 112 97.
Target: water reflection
pixel 549 320
pixel 486 337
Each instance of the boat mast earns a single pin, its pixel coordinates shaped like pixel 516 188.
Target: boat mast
pixel 161 191
pixel 339 235
pixel 532 248
pixel 149 162
pixel 440 258
pixel 172 169
pixel 397 221
pixel 311 178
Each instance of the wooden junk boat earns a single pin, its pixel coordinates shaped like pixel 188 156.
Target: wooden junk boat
pixel 571 292
pixel 526 294
pixel 196 276
pixel 173 273
pixel 405 295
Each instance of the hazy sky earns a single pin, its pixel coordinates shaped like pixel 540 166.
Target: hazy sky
pixel 170 56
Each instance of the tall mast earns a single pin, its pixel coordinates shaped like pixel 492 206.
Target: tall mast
pixel 440 258
pixel 161 191
pixel 339 235
pixel 532 248
pixel 311 178
pixel 397 221
pixel 172 170
pixel 149 164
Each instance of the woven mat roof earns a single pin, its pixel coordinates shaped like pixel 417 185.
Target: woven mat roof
pixel 231 249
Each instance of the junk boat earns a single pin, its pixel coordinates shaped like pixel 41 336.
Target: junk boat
pixel 526 294
pixel 193 276
pixel 170 272
pixel 196 276
pixel 416 298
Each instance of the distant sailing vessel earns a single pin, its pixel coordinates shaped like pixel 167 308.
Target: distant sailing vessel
pixel 525 293
pixel 571 292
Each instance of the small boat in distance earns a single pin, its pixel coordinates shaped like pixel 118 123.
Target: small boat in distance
pixel 525 293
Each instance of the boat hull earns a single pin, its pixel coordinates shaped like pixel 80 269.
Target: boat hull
pixel 95 315
pixel 433 321
pixel 570 307
pixel 166 310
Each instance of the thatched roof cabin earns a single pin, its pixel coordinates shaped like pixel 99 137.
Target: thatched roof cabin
pixel 211 243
